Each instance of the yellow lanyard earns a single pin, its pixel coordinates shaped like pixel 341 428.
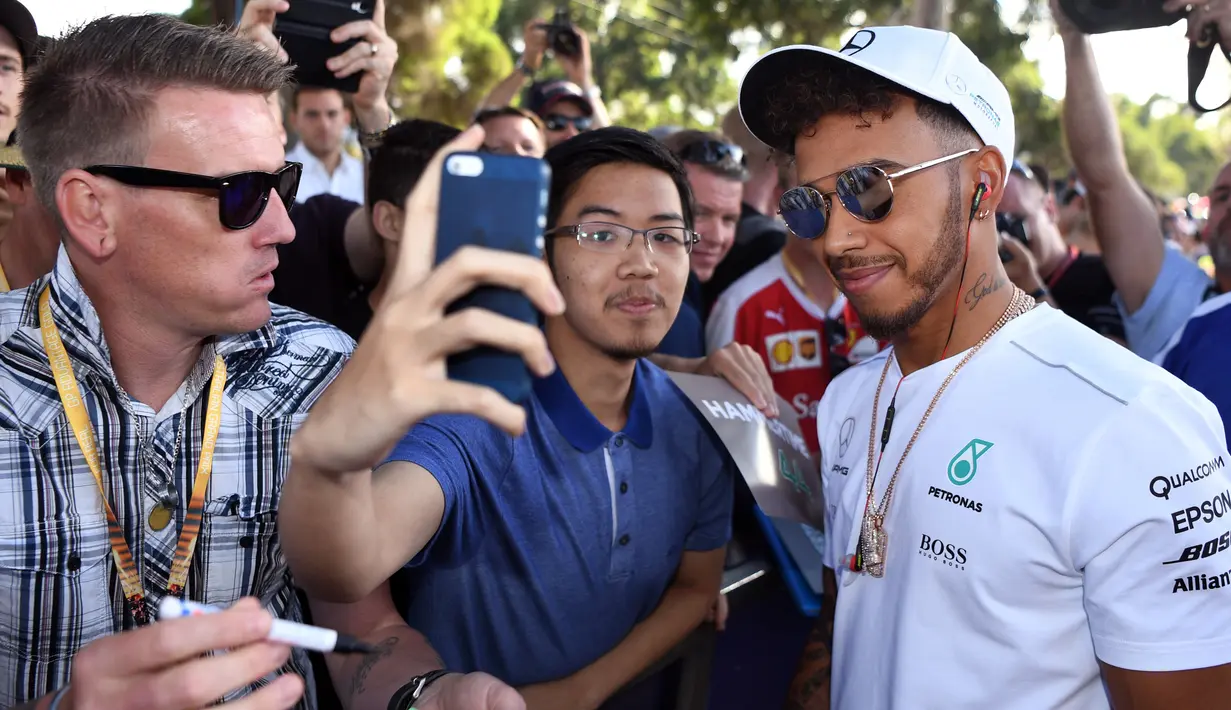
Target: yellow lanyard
pixel 4 281
pixel 79 419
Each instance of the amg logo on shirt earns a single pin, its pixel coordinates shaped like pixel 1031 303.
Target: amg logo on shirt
pixel 1202 551
pixel 1201 582
pixel 955 499
pixel 940 551
pixel 844 470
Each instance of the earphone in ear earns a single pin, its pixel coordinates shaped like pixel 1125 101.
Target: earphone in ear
pixel 980 190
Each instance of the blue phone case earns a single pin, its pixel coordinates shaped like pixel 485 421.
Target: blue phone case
pixel 498 202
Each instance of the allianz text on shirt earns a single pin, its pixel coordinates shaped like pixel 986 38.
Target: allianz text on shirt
pixel 1030 536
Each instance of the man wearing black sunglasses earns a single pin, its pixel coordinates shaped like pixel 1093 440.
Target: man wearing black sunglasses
pixel 965 504
pixel 148 391
pixel 565 108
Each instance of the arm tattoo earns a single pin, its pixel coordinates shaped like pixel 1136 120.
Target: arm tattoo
pixel 383 650
pixel 810 688
pixel 984 286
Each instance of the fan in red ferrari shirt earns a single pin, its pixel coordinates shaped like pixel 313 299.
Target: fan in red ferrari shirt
pixel 790 312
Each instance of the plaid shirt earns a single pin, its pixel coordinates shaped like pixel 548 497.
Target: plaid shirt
pixel 58 585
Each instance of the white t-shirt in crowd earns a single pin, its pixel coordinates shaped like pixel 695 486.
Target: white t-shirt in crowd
pixel 1066 502
pixel 345 182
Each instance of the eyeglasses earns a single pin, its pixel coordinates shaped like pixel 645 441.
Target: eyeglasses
pixel 865 191
pixel 610 238
pixel 242 197
pixel 712 152
pixel 556 122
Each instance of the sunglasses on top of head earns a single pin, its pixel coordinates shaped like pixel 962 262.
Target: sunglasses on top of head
pixel 865 191
pixel 712 152
pixel 556 122
pixel 242 197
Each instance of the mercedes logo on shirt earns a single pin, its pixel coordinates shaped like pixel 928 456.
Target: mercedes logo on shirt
pixel 844 436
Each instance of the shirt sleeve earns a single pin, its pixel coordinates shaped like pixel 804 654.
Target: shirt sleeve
pixel 713 527
pixel 1176 293
pixel 1149 519
pixel 462 454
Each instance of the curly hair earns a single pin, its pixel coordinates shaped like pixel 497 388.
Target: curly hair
pixel 799 100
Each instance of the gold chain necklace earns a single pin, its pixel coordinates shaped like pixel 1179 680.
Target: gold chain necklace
pixel 873 540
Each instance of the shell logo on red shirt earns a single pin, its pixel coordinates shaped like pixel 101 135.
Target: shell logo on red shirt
pixel 782 352
pixel 793 350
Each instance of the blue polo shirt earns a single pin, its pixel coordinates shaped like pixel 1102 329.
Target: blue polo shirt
pixel 555 544
pixel 1200 352
pixel 686 338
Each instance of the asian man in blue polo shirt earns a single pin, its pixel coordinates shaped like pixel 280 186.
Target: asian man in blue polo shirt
pixel 568 560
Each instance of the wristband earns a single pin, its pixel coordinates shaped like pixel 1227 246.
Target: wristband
pixel 405 697
pixel 527 71
pixel 1039 294
pixel 57 697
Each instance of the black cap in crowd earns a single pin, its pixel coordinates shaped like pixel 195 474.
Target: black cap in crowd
pixel 545 94
pixel 15 18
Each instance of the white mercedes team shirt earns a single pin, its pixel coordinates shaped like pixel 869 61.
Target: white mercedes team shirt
pixel 1067 502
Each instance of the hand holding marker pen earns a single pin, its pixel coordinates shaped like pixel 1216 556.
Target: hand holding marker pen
pixel 312 638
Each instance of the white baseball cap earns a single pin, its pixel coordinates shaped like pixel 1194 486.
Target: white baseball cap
pixel 929 62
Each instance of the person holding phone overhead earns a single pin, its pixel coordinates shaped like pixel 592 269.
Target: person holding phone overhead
pixel 567 106
pixel 564 561
pixel 318 112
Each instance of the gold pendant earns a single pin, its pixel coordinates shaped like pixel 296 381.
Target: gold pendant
pixel 160 517
pixel 874 543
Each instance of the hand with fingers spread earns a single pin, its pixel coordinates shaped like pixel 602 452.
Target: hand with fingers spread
pixel 744 370
pixel 163 666
pixel 396 376
pixel 376 55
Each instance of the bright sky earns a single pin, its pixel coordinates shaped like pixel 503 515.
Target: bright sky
pixel 1138 64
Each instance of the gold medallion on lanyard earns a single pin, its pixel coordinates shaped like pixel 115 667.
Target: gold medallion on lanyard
pixel 83 430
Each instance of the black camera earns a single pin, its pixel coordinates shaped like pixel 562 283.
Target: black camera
pixel 1099 16
pixel 1013 226
pixel 562 36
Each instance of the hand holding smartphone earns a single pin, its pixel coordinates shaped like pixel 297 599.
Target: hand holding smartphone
pixel 304 32
pixel 497 202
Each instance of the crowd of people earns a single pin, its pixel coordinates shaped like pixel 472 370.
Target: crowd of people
pixel 223 351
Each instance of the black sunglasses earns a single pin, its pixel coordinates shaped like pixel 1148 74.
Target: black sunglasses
pixel 865 191
pixel 712 152
pixel 556 122
pixel 242 197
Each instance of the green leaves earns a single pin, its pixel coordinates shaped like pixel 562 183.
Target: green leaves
pixel 674 62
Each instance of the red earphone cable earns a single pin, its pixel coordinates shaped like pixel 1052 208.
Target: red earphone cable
pixel 974 207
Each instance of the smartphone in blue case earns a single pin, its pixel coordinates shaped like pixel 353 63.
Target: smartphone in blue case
pixel 497 202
